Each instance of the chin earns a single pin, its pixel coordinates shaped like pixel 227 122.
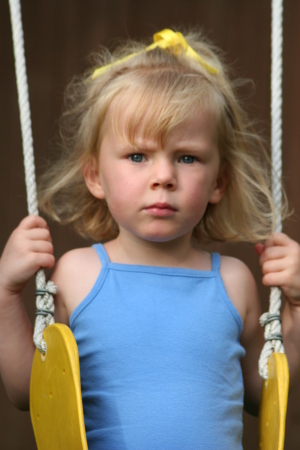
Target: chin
pixel 161 237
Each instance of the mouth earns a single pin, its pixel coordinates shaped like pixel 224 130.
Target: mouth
pixel 160 209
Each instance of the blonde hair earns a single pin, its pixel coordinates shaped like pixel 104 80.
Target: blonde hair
pixel 163 89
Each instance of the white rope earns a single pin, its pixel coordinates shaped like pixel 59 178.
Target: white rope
pixel 44 300
pixel 271 320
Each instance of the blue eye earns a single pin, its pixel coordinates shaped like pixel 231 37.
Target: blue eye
pixel 137 157
pixel 188 159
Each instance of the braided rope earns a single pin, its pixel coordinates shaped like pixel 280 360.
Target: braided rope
pixel 271 320
pixel 44 300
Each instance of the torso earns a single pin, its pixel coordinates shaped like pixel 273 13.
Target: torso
pixel 154 344
pixel 77 271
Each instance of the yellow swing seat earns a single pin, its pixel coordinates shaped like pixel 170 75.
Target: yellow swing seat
pixel 273 404
pixel 55 393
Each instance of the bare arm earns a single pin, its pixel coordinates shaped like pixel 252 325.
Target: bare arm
pixel 75 274
pixel 28 248
pixel 242 290
pixel 280 261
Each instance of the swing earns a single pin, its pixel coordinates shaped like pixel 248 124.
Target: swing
pixel 273 365
pixel 55 393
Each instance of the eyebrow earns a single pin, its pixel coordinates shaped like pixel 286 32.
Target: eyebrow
pixel 146 143
pixel 150 144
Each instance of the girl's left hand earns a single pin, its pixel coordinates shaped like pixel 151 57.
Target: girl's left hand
pixel 280 262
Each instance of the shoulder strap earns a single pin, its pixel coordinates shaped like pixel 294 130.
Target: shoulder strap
pixel 216 261
pixel 101 252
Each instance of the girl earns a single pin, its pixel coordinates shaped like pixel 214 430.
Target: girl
pixel 159 158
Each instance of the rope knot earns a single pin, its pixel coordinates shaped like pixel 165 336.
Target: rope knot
pixel 268 317
pixel 272 331
pixel 50 289
pixel 44 310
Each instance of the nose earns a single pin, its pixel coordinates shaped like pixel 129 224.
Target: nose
pixel 163 175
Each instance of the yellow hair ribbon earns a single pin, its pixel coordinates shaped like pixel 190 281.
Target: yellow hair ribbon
pixel 164 39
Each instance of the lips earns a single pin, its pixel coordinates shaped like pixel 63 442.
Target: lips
pixel 161 209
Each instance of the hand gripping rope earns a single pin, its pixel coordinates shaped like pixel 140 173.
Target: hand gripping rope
pixel 44 291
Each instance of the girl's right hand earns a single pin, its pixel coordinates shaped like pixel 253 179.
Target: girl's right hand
pixel 27 250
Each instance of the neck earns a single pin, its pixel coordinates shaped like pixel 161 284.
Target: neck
pixel 129 249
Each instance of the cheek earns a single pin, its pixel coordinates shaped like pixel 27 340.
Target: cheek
pixel 196 191
pixel 197 198
pixel 121 193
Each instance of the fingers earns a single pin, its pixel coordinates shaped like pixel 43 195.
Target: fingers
pixel 35 228
pixel 41 246
pixel 37 241
pixel 276 247
pixel 43 260
pixel 27 250
pixel 273 254
pixel 32 235
pixel 39 234
pixel 280 262
pixel 33 221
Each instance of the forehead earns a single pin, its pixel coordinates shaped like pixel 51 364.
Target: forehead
pixel 196 133
pixel 156 117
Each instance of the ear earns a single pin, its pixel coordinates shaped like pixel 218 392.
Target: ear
pixel 220 187
pixel 92 179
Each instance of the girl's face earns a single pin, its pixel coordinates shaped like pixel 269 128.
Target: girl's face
pixel 160 193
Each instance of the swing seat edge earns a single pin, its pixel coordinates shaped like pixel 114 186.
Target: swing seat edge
pixel 273 406
pixel 55 393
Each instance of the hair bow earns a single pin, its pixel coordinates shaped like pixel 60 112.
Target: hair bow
pixel 165 39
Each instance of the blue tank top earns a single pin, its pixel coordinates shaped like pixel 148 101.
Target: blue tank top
pixel 160 358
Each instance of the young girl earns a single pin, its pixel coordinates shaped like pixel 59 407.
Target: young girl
pixel 159 158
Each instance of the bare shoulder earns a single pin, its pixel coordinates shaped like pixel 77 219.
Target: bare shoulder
pixel 241 289
pixel 74 274
pixel 239 284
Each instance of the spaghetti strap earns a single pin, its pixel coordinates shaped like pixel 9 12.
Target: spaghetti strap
pixel 216 261
pixel 101 252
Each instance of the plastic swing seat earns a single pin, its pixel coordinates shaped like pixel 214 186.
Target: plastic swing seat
pixel 56 405
pixel 273 405
pixel 55 393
